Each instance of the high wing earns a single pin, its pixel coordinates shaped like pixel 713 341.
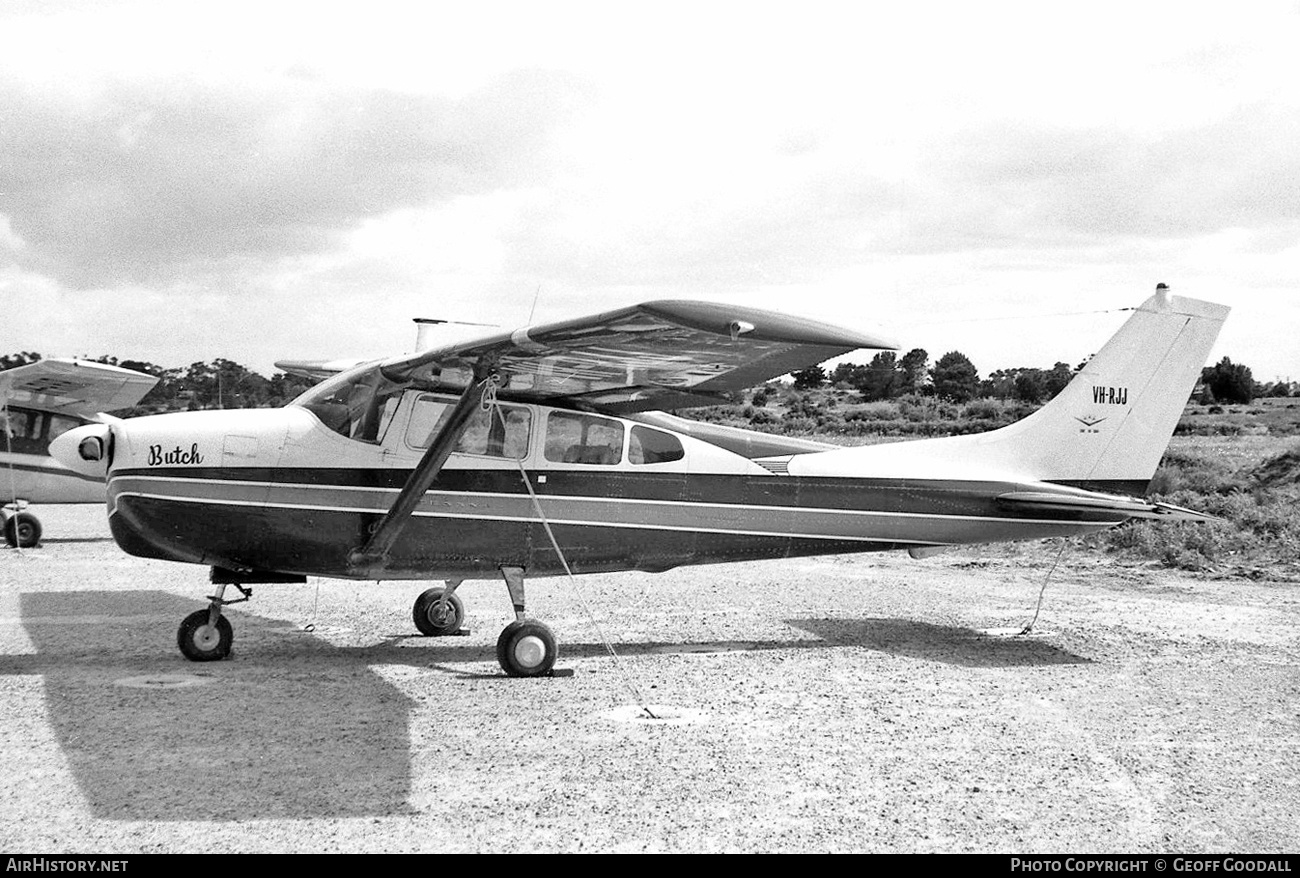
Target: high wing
pixel 657 355
pixel 74 387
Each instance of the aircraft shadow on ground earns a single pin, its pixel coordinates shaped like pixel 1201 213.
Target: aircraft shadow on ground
pixel 965 647
pixel 220 741
pixel 944 643
pixel 307 730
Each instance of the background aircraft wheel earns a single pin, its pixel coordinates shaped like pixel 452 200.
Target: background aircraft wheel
pixel 526 649
pixel 201 642
pixel 435 618
pixel 22 529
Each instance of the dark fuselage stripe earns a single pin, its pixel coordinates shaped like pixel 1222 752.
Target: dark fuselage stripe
pixel 48 468
pixel 683 515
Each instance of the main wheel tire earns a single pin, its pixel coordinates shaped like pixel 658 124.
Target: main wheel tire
pixel 435 617
pixel 201 642
pixel 526 649
pixel 22 530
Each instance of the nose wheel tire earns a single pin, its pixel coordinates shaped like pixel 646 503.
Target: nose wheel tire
pixel 201 642
pixel 22 530
pixel 526 649
pixel 435 617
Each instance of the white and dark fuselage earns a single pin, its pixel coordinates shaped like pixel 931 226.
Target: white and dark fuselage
pixel 28 474
pixel 249 491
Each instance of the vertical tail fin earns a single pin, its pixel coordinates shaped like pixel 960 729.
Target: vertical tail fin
pixel 1106 431
pixel 1109 427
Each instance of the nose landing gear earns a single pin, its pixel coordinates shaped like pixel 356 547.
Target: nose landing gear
pixel 206 635
pixel 201 640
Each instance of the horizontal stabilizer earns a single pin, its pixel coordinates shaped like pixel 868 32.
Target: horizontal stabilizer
pixel 316 370
pixel 1090 502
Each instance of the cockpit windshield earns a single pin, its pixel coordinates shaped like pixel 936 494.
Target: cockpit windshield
pixel 357 404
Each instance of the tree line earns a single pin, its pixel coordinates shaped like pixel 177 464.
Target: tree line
pixel 225 384
pixel 220 384
pixel 954 377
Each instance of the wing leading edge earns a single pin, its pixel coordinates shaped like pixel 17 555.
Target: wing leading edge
pixel 657 355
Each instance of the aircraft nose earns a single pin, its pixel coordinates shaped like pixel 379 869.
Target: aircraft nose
pixel 86 449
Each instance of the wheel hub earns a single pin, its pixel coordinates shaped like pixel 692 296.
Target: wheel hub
pixel 206 637
pixel 530 651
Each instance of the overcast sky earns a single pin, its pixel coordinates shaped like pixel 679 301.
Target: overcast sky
pixel 256 181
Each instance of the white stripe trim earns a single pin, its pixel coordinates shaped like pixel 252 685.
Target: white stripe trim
pixel 576 498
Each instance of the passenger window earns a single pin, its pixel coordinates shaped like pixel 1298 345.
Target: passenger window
pixel 485 434
pixel 426 418
pixel 574 438
pixel 653 446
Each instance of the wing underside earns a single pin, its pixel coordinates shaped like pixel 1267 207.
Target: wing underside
pixel 75 387
pixel 658 355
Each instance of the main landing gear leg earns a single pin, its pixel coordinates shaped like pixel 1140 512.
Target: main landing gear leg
pixel 206 635
pixel 526 648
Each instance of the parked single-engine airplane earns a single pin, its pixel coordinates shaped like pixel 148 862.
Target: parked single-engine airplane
pixel 462 461
pixel 38 402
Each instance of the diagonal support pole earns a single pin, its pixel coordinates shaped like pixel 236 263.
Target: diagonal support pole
pixel 390 527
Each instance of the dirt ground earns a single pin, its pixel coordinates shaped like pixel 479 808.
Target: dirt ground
pixel 867 703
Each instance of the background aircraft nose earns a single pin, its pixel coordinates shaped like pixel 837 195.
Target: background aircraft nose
pixel 86 449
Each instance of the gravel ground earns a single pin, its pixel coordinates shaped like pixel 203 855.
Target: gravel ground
pixel 866 703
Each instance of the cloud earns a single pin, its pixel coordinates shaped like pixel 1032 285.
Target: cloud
pixel 1057 186
pixel 1028 189
pixel 149 183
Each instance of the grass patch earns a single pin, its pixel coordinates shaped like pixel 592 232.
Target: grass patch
pixel 1258 502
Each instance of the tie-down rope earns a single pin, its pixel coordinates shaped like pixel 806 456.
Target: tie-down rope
pixel 489 403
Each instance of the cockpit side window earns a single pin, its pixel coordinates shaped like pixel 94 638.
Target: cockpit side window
pixel 358 405
pixel 575 438
pixel 485 434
